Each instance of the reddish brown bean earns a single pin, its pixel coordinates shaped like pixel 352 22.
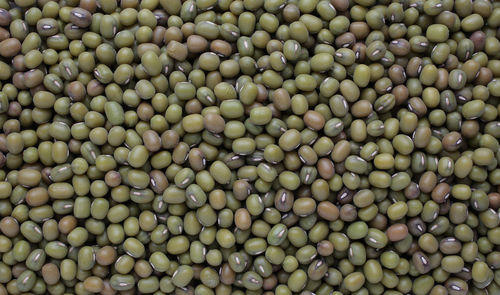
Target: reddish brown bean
pixel 314 120
pixel 397 232
pixel 10 47
pixel 328 211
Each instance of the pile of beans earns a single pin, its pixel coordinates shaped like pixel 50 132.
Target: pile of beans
pixel 247 147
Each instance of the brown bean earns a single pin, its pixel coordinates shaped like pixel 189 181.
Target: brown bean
pixel 193 106
pixel 242 219
pixel 281 99
pixel 494 200
pixel 325 167
pixel 442 79
pixel 227 275
pixel 470 129
pixel 359 50
pixel 399 47
pixel 172 33
pixel 471 69
pixel 33 78
pixel 95 88
pixel 106 255
pixel 345 196
pixel 397 74
pixel 90 5
pixel 397 232
pixel 214 123
pixel 479 40
pixel 9 226
pixel 427 181
pixel 379 222
pixel 400 93
pixel 416 226
pixel 197 159
pixel 93 284
pixel 107 289
pixel 452 141
pixel 4 34
pixel 359 29
pixel 158 182
pixel 18 63
pixel 50 273
pixel 159 35
pixel 5 17
pixel 196 43
pixel 10 47
pixel 197 268
pixel 421 262
pixel 76 91
pixel 151 140
pixel 345 40
pixel 241 189
pixel 484 77
pixel 325 248
pixel 328 210
pixel 46 175
pixel 15 110
pixel 441 192
pixel 348 212
pixel 180 153
pixel 451 62
pixel 145 111
pixel 3 290
pixel 3 143
pixel 417 106
pixel 314 120
pixel 412 191
pixel 18 269
pixel 112 178
pixel 18 80
pixel 221 48
pixel 414 66
pixel 340 5
pixel 80 17
pixel 262 93
pixel 169 139
pixel 67 224
pixel 283 201
pixel 270 282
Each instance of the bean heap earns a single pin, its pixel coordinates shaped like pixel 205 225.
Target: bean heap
pixel 246 147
